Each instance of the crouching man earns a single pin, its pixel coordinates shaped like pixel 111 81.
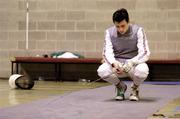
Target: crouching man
pixel 125 53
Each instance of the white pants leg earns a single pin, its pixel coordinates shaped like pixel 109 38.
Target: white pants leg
pixel 105 70
pixel 139 73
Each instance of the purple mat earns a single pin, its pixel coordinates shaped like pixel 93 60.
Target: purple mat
pixel 163 83
pixel 95 104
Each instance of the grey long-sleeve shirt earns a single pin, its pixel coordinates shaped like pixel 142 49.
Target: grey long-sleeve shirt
pixel 132 45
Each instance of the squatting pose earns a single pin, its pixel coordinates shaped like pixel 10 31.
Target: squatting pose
pixel 125 53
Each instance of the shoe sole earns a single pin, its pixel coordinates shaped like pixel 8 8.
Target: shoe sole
pixel 131 99
pixel 118 99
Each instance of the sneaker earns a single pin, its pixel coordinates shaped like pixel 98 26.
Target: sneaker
pixel 134 96
pixel 121 89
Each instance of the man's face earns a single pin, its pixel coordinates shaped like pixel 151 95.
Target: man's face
pixel 122 26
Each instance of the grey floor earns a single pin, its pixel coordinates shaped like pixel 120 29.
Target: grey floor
pixel 96 103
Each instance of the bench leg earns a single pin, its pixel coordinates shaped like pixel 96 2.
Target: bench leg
pixel 17 68
pixel 56 73
pixel 12 67
pixel 59 72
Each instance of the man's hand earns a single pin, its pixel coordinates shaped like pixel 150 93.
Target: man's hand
pixel 127 66
pixel 117 67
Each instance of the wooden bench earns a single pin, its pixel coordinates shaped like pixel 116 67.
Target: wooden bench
pixel 55 61
pixel 164 70
pixel 158 68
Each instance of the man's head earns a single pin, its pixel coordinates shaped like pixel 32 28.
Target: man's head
pixel 121 20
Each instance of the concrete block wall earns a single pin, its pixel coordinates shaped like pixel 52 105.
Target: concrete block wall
pixel 79 25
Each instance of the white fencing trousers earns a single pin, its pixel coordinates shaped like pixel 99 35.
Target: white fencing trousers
pixel 138 73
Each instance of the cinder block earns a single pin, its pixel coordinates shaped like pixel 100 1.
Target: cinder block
pixel 128 4
pixel 19 53
pixel 102 26
pixel 178 25
pixel 64 4
pixel 178 4
pixel 153 15
pixel 37 35
pixel 167 4
pixel 17 35
pixel 173 15
pixel 48 45
pixel 22 5
pixel 159 55
pixel 173 55
pixel 85 25
pixel 39 52
pixel 21 45
pixel 66 25
pixel 22 25
pixel 56 15
pixel 146 5
pixel 178 46
pixel 99 45
pixel 56 35
pixel 156 36
pixel 108 15
pixel 8 5
pixel 94 15
pixel 75 36
pixel 166 46
pixel 94 35
pixel 4 54
pixel 85 45
pixel 75 15
pixel 106 5
pixel 113 5
pixel 8 26
pixel 3 35
pixel 46 5
pixel 38 16
pixel 93 55
pixel 6 45
pixel 31 45
pixel 147 25
pixel 12 16
pixel 66 45
pixel 152 46
pixel 76 5
pixel 5 72
pixel 4 18
pixel 173 36
pixel 4 63
pixel 85 4
pixel 46 25
pixel 167 26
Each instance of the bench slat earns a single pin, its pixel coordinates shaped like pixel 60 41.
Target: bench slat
pixel 79 60
pixel 55 60
pixel 164 61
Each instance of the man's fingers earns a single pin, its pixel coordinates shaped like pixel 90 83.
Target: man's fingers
pixel 118 71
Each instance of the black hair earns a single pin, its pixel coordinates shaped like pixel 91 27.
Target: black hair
pixel 120 15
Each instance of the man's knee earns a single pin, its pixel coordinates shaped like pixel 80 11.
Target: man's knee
pixel 141 71
pixel 103 71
